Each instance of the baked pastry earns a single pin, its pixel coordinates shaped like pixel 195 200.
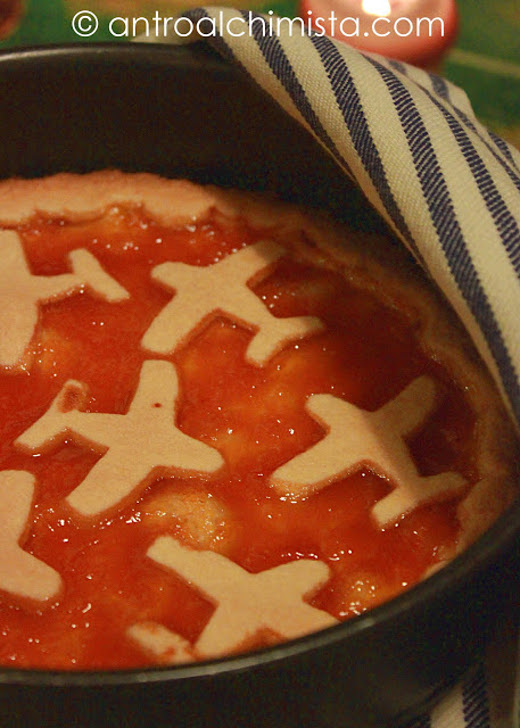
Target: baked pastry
pixel 226 422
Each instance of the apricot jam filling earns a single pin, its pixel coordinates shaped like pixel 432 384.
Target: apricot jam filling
pixel 126 597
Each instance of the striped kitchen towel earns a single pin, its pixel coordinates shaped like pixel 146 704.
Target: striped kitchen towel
pixel 448 188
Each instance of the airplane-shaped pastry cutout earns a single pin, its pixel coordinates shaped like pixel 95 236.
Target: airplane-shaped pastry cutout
pixel 205 292
pixel 356 438
pixel 245 603
pixel 21 293
pixel 139 446
pixel 21 573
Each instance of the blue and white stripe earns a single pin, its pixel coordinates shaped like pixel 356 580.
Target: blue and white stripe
pixel 466 706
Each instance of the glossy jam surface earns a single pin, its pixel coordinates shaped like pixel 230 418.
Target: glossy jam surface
pixel 254 416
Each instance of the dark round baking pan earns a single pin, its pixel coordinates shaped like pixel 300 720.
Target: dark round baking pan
pixel 184 112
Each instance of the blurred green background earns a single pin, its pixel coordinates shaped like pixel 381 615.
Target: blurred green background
pixel 485 61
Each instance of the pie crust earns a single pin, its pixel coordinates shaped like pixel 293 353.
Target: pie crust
pixel 135 448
